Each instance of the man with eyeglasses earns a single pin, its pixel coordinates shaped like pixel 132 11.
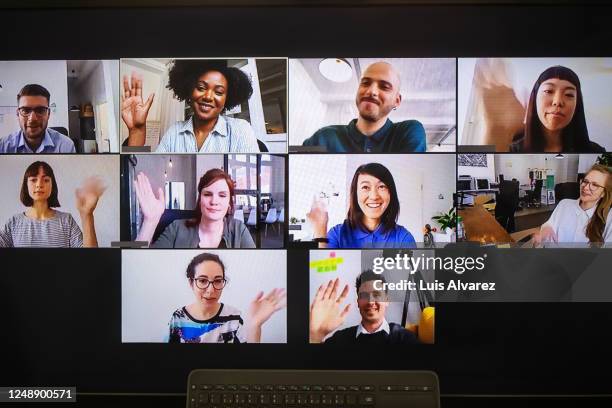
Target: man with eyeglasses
pixel 34 136
pixel 327 313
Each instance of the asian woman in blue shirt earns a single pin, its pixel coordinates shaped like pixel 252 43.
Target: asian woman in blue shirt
pixel 371 221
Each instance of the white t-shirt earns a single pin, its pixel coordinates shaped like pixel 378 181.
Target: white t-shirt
pixel 570 221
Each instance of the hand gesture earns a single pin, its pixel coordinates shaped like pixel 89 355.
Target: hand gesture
pixel 152 206
pixel 546 234
pixel 503 113
pixel 326 311
pixel 263 307
pixel 318 217
pixel 134 110
pixel 88 194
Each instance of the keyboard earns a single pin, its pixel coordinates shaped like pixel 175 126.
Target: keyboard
pixel 312 388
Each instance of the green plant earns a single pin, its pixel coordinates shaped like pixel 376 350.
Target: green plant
pixel 605 159
pixel 447 220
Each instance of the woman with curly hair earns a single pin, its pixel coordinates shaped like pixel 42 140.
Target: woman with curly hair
pixel 210 88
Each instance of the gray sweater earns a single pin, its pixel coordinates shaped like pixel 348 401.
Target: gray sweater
pixel 179 235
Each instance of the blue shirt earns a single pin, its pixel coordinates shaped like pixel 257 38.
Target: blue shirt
pixel 230 135
pixel 401 137
pixel 343 236
pixel 53 142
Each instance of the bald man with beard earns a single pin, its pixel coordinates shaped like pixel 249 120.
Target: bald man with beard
pixel 372 132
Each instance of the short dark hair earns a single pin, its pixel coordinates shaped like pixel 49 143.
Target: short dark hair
pixel 389 217
pixel 32 171
pixel 575 136
pixel 34 90
pixel 184 74
pixel 206 180
pixel 206 256
pixel 366 276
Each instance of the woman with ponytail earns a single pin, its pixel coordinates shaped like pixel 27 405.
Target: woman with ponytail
pixel 587 219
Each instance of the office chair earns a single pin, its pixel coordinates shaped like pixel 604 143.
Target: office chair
pixel 567 190
pixel 533 196
pixel 239 215
pixel 168 217
pixel 252 221
pixel 507 203
pixel 270 219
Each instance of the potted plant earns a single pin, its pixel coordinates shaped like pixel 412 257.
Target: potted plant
pixel 448 221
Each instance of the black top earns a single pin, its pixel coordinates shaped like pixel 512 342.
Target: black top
pixel 517 146
pixel 401 137
pixel 398 335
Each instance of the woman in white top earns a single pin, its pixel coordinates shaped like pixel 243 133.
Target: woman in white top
pixel 586 220
pixel 41 225
pixel 210 88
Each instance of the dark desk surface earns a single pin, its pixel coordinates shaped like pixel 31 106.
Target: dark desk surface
pixel 481 226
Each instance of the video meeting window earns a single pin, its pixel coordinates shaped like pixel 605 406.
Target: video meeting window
pixel 59 106
pixel 204 105
pixel 203 296
pixel 350 304
pixel 535 199
pixel 57 201
pixel 372 105
pixel 368 201
pixel 205 201
pixel 535 105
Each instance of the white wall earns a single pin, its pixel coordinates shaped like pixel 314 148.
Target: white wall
pixel 70 171
pixel 419 179
pixel 517 165
pixel 585 161
pixel 15 74
pixel 154 285
pixel 304 97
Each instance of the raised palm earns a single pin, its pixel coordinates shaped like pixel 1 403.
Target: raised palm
pixel 134 110
pixel 327 312
pixel 151 205
pixel 88 194
pixel 263 307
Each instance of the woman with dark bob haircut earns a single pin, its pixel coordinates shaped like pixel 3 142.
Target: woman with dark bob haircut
pixel 213 226
pixel 208 320
pixel 41 225
pixel 555 120
pixel 371 221
pixel 210 88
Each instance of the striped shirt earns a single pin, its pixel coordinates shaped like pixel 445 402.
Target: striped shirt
pixel 224 327
pixel 230 135
pixel 60 231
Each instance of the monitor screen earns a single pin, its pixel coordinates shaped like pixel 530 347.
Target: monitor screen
pixel 279 181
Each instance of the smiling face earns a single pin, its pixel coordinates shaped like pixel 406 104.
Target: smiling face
pixel 556 103
pixel 373 196
pixel 210 271
pixel 372 304
pixel 33 125
pixel 592 187
pixel 215 201
pixel 40 186
pixel 378 92
pixel 209 95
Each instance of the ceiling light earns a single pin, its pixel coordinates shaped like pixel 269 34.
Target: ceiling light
pixel 336 69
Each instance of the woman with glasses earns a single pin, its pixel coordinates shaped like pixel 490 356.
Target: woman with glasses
pixel 371 221
pixel 41 225
pixel 587 219
pixel 208 320
pixel 210 88
pixel 213 225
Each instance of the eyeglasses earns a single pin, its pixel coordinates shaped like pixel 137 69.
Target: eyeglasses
pixel 38 111
pixel 592 186
pixel 372 296
pixel 203 283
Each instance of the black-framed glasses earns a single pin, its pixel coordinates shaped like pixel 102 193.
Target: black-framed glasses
pixel 25 111
pixel 203 283
pixel 592 186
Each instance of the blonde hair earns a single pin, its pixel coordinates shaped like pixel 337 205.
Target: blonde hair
pixel 597 224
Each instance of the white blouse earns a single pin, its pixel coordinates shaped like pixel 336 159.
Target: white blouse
pixel 570 221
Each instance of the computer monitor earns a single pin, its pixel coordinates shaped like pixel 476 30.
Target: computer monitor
pixel 482 184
